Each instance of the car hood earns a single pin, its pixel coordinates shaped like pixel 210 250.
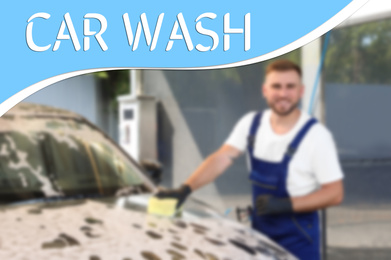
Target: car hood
pixel 119 228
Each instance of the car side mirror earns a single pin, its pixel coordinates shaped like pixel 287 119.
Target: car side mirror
pixel 154 169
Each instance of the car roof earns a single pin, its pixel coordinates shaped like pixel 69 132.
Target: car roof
pixel 29 109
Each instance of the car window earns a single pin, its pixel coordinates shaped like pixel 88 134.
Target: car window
pixel 54 156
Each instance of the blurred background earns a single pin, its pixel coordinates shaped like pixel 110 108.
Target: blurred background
pixel 347 74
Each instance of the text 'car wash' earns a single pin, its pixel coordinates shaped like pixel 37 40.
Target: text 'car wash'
pixel 142 26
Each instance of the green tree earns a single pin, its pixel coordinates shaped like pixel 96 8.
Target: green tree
pixel 360 54
pixel 113 83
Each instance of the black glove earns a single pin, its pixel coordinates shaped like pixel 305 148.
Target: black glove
pixel 269 205
pixel 179 194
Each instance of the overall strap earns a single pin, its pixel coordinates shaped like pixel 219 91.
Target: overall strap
pixel 253 131
pixel 299 137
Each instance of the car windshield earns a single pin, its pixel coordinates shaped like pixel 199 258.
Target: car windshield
pixel 43 156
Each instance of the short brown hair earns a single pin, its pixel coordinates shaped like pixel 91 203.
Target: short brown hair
pixel 283 65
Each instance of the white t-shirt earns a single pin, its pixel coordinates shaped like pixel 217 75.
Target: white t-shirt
pixel 314 163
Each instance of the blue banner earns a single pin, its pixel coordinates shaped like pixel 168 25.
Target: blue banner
pixel 44 39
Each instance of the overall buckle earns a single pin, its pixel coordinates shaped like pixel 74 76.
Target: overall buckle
pixel 250 141
pixel 291 151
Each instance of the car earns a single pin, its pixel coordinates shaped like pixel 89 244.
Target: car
pixel 68 191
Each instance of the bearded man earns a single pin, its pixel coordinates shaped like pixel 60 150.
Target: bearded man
pixel 294 167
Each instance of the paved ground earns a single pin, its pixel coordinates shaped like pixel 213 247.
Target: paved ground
pixel 355 228
pixel 336 253
pixel 360 228
pixel 359 234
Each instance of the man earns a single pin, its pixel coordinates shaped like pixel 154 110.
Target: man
pixel 294 167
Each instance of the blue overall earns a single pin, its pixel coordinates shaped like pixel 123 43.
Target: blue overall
pixel 299 233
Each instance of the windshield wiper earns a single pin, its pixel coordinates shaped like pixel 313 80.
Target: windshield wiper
pixel 131 190
pixel 58 198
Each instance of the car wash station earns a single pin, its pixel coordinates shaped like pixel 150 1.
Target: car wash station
pixel 170 121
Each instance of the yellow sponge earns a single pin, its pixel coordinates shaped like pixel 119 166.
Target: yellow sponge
pixel 162 207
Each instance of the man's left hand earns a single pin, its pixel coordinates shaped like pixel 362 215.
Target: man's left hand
pixel 269 205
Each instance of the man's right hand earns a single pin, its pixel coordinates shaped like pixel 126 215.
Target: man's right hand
pixel 179 194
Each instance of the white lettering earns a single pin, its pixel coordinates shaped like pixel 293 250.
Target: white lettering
pixel 143 25
pixel 207 32
pixel 179 31
pixel 29 33
pixel 98 36
pixel 185 32
pixel 247 31
pixel 62 36
pixel 228 30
